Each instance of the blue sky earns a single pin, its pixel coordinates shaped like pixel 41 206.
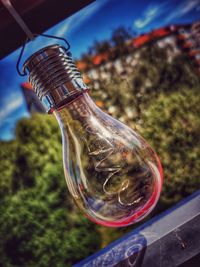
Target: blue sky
pixel 95 22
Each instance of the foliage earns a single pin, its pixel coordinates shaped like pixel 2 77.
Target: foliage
pixel 39 223
pixel 118 40
pixel 161 99
pixel 7 159
pixel 172 125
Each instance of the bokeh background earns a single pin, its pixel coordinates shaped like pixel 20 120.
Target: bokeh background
pixel 141 60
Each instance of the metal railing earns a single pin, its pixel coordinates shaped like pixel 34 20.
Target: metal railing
pixel 170 239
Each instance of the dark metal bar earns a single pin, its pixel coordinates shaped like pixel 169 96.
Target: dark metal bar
pixel 168 240
pixel 39 15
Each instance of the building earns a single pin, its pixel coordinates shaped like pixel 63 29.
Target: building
pixel 32 102
pixel 175 38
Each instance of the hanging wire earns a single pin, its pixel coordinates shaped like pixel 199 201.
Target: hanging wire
pixel 17 18
pixel 30 36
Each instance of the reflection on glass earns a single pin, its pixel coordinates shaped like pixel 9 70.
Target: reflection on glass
pixel 112 173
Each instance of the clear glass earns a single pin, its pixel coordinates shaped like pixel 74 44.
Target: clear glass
pixel 114 176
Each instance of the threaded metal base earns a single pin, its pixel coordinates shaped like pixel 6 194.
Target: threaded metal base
pixel 54 76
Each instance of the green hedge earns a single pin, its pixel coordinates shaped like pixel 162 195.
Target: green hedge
pixel 39 224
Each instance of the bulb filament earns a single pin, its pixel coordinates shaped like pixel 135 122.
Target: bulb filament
pixel 102 155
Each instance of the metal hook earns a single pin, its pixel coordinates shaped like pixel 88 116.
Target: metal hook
pixel 24 73
pixel 30 35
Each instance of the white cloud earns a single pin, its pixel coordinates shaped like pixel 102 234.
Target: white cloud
pixel 184 8
pixel 152 12
pixel 12 103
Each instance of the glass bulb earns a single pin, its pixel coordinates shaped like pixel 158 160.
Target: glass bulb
pixel 112 173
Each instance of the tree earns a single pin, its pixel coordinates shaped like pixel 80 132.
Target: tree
pixel 100 47
pixel 38 231
pixel 172 125
pixel 39 222
pixel 120 36
pixel 7 159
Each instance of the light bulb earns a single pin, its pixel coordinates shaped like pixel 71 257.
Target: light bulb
pixel 112 173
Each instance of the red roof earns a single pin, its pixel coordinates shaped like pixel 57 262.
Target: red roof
pixel 194 52
pixel 100 58
pixel 136 43
pixel 26 85
pixel 141 40
pixel 81 65
pixel 155 34
pixel 162 32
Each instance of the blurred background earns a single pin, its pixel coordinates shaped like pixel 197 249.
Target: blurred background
pixel 141 61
